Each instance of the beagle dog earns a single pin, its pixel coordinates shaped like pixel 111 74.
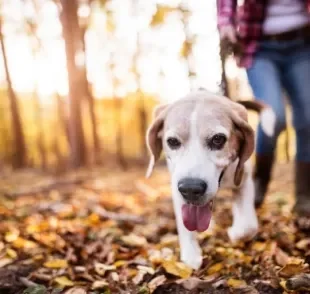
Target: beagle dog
pixel 207 142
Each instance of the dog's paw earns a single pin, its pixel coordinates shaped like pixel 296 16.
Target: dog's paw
pixel 192 260
pixel 191 255
pixel 237 233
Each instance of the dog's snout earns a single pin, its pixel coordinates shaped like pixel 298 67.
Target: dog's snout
pixel 192 189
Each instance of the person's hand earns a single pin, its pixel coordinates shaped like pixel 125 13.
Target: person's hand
pixel 228 32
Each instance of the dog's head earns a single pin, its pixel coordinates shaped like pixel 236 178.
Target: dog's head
pixel 201 134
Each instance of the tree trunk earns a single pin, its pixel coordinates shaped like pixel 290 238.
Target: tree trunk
pixel 91 102
pixel 72 37
pixel 19 157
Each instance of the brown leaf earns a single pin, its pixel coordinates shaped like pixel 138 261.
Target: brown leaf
pixel 154 283
pixel 281 257
pixel 192 283
pixel 292 269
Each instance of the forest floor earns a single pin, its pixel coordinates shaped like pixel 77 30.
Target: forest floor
pixel 114 232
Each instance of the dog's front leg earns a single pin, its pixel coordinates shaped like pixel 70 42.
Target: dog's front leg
pixel 245 222
pixel 190 251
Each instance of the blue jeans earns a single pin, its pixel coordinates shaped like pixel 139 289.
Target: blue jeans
pixel 279 66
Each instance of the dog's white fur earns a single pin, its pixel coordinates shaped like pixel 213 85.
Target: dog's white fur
pixel 194 159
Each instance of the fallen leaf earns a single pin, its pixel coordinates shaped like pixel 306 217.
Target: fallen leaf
pixel 11 236
pixel 37 289
pixel 303 244
pixel 64 281
pixel 146 269
pixel 100 285
pixel 101 268
pixel 11 253
pixel 134 240
pixel 281 257
pixel 5 261
pixel 115 276
pixel 178 269
pixel 154 283
pixel 120 263
pixel 76 291
pixel 234 283
pixel 139 277
pixel 259 246
pixel 291 269
pixel 56 263
pixel 192 283
pixel 23 243
pixel 215 268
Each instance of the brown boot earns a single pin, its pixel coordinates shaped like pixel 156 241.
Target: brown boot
pixel 262 175
pixel 302 188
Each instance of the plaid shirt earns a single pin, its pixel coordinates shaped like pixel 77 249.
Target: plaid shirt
pixel 248 19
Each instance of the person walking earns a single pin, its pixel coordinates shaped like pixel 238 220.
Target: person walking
pixel 273 37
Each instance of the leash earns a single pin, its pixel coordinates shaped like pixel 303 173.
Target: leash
pixel 227 49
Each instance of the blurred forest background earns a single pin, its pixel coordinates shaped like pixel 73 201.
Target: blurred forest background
pixel 79 78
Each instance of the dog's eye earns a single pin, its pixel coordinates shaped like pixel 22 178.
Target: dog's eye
pixel 217 141
pixel 173 143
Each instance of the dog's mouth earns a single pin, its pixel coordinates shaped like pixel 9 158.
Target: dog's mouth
pixel 197 218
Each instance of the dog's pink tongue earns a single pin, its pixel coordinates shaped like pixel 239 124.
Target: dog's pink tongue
pixel 196 218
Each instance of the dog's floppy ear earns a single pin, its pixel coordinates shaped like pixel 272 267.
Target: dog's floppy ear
pixel 239 116
pixel 153 136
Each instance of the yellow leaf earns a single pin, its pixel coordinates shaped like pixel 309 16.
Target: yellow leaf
pixel 93 219
pixel 259 246
pixel 234 283
pixel 56 263
pixel 283 285
pixel 11 236
pixel 99 285
pixel 177 268
pixel 134 240
pixel 215 268
pixel 119 263
pixel 64 281
pixel 11 253
pixel 23 243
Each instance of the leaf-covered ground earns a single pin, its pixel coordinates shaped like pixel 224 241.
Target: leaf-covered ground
pixel 114 232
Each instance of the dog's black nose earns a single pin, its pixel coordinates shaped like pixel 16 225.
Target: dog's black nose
pixel 192 189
